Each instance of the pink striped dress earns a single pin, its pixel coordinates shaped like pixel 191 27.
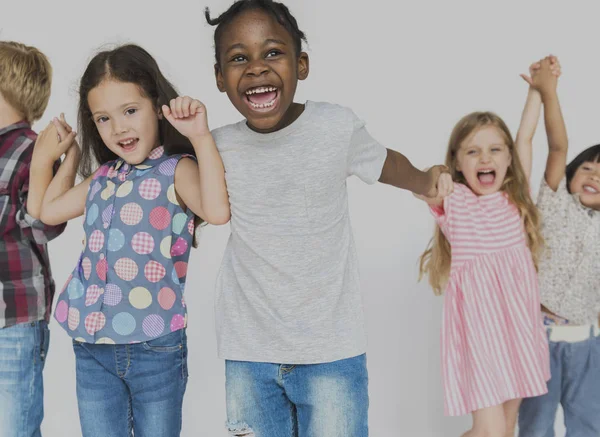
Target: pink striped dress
pixel 494 346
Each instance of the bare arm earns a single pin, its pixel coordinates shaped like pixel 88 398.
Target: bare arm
pixel 558 142
pixel 545 80
pixel 63 199
pixel 399 172
pixel 46 148
pixel 527 127
pixel 200 186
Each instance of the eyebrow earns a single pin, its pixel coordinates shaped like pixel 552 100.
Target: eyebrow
pixel 240 45
pixel 120 107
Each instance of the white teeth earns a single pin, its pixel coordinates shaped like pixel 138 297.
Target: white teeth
pixel 262 105
pixel 259 90
pixel 126 143
pixel 486 171
pixel 590 189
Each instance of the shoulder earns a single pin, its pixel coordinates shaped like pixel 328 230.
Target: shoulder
pixel 227 132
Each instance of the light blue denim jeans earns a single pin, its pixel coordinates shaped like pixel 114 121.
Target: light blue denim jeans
pixel 129 388
pixel 23 350
pixel 575 385
pixel 286 400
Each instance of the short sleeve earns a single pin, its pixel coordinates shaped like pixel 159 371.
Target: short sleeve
pixel 445 215
pixel 549 202
pixel 365 155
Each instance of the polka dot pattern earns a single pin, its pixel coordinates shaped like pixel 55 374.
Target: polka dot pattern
pixel 116 240
pixel 166 298
pixel 132 214
pixel 112 295
pixel 123 323
pixel 96 241
pixel 153 325
pixel 150 189
pixel 126 269
pixel 86 265
pixel 125 189
pixel 160 218
pixel 179 222
pixel 140 298
pixel 154 271
pixel 126 288
pixel 142 243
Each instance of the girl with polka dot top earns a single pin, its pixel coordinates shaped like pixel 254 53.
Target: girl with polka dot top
pixel 159 174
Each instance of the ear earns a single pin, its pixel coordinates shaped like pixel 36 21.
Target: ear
pixel 303 66
pixel 159 112
pixel 219 78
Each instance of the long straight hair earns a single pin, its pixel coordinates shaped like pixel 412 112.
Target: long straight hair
pixel 435 261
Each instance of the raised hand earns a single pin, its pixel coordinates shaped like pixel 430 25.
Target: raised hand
pixel 188 116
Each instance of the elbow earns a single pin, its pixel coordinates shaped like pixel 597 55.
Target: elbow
pixel 47 219
pixel 220 217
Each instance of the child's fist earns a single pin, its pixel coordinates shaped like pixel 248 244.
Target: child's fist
pixel 188 116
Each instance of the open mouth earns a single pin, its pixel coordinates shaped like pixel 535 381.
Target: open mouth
pixel 128 144
pixel 262 98
pixel 486 177
pixel 590 189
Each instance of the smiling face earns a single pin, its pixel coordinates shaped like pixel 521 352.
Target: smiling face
pixel 259 70
pixel 126 120
pixel 586 181
pixel 484 158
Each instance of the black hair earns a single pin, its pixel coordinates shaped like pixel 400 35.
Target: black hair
pixel 129 64
pixel 277 10
pixel 591 154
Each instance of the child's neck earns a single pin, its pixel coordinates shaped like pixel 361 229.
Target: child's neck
pixel 290 116
pixel 8 114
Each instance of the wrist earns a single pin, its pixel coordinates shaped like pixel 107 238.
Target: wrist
pixel 201 140
pixel 548 95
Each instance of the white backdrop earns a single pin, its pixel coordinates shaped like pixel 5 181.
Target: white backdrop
pixel 411 70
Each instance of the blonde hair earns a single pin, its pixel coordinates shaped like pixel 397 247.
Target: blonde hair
pixel 435 261
pixel 25 79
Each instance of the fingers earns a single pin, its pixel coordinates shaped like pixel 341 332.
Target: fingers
pixel 168 114
pixel 60 128
pixel 183 107
pixel 527 79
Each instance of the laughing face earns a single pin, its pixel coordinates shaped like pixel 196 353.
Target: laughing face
pixel 484 158
pixel 126 120
pixel 586 183
pixel 259 70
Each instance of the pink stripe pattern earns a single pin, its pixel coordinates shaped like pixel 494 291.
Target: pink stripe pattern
pixel 494 346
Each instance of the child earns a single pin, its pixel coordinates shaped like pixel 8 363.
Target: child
pixel 568 202
pixel 26 283
pixel 288 307
pixel 484 253
pixel 123 304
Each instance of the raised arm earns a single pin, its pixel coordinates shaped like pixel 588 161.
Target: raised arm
pixel 60 199
pixel 200 185
pixel 545 81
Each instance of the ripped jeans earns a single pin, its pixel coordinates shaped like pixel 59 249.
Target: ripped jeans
pixel 284 400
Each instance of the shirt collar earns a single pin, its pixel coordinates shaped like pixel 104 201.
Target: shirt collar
pixel 19 125
pixel 152 159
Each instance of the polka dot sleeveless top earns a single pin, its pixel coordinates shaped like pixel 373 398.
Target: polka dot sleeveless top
pixel 128 284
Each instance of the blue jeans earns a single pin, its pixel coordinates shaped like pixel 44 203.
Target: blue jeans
pixel 129 388
pixel 575 384
pixel 281 400
pixel 23 350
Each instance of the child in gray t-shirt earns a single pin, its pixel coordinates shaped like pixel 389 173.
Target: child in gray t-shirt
pixel 288 306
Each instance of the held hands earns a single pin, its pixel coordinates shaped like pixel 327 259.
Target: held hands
pixel 440 185
pixel 54 141
pixel 188 116
pixel 544 74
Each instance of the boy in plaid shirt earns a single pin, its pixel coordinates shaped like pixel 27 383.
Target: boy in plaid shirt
pixel 26 284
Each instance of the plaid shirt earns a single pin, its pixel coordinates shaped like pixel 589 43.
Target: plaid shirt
pixel 26 284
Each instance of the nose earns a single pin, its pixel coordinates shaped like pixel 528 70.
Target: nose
pixel 257 68
pixel 484 157
pixel 117 126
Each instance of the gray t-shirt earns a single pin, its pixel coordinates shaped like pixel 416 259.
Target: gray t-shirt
pixel 288 291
